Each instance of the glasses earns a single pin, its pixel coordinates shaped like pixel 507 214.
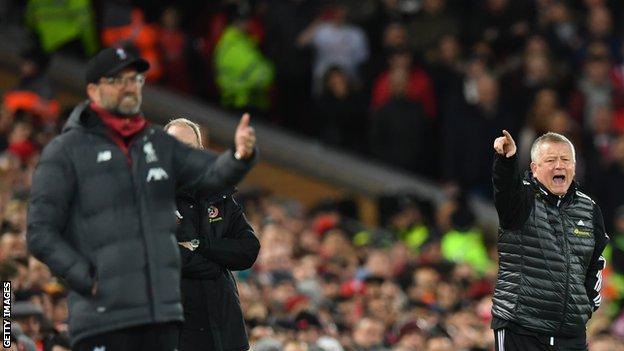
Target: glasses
pixel 119 82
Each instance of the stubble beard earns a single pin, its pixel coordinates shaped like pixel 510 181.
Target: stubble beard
pixel 129 104
pixel 126 105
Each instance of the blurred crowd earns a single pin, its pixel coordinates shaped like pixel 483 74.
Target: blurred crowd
pixel 422 85
pixel 383 79
pixel 421 281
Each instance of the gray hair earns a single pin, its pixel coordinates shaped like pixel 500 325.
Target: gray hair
pixel 552 138
pixel 186 122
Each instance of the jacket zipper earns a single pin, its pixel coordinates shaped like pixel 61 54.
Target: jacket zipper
pixel 566 249
pixel 137 186
pixel 133 168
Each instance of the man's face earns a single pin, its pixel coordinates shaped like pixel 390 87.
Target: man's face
pixel 439 344
pixel 555 166
pixel 38 272
pixel 368 333
pixel 185 134
pixel 13 245
pixel 31 326
pixel 121 94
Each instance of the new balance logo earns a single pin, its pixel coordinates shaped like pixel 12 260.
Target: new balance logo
pixel 121 53
pixel 99 348
pixel 104 156
pixel 156 174
pixel 580 222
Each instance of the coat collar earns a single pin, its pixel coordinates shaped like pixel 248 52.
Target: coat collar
pixel 190 195
pixel 555 200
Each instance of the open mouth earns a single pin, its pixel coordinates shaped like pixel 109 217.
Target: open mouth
pixel 559 179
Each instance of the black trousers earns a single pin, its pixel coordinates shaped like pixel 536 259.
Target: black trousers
pixel 507 340
pixel 152 337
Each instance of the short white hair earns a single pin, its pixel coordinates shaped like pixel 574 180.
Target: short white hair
pixel 552 138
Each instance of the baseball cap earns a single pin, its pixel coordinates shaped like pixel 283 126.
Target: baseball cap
pixel 111 61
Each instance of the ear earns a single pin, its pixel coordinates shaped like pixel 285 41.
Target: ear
pixel 92 91
pixel 533 167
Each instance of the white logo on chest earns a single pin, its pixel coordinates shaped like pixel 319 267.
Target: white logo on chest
pixel 104 156
pixel 156 174
pixel 121 53
pixel 150 153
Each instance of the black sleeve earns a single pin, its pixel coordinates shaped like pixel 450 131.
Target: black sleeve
pixel 53 186
pixel 239 247
pixel 511 198
pixel 206 172
pixel 194 265
pixel 593 279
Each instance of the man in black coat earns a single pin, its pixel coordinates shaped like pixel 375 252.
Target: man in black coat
pixel 215 239
pixel 100 210
pixel 400 133
pixel 550 248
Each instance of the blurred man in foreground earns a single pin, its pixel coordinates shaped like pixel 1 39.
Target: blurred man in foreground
pixel 100 210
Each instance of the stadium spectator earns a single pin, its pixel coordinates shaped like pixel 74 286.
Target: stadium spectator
pixel 469 125
pixel 243 74
pixel 400 129
pixel 430 24
pixel 335 43
pixel 340 115
pixel 124 25
pixel 419 86
pixel 61 23
pixel 173 46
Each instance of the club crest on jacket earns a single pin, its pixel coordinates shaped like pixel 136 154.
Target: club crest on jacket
pixel 213 212
pixel 150 153
pixel 156 174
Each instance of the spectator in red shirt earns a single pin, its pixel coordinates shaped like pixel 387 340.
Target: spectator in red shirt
pixel 419 85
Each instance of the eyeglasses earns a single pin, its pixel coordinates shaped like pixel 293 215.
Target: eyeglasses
pixel 119 82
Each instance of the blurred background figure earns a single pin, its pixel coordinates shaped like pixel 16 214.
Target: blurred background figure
pixel 210 251
pixel 243 75
pixel 335 43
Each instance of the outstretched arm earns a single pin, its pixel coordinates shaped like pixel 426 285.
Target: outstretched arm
pixel 510 197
